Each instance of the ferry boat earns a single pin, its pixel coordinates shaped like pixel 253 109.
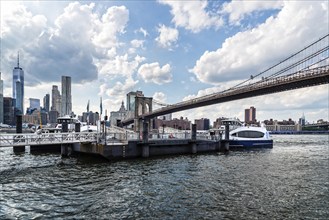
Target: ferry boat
pixel 250 137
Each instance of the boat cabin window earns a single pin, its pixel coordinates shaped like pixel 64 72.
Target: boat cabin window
pixel 248 134
pixel 64 120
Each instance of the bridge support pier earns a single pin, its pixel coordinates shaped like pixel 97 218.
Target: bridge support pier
pixel 138 125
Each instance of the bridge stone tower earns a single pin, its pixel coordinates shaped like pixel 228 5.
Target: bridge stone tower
pixel 142 105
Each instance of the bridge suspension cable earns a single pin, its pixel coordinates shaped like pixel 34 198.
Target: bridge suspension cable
pixel 321 54
pixel 160 103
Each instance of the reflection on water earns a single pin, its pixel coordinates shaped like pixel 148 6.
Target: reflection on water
pixel 290 181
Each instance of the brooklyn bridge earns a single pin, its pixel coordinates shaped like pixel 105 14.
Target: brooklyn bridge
pixel 307 67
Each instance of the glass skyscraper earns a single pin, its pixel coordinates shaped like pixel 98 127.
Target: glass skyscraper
pixel 56 99
pixel 46 102
pixel 18 86
pixel 66 96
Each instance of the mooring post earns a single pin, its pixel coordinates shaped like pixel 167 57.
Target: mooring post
pixel 227 131
pixel 66 150
pixel 146 147
pixel 145 132
pixel 19 130
pixel 220 141
pixel 227 136
pixel 193 137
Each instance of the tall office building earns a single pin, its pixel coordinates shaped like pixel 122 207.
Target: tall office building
pixel 1 99
pixel 46 102
pixel 250 115
pixel 18 86
pixel 66 96
pixel 55 99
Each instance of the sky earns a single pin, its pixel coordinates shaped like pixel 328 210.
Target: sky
pixel 170 50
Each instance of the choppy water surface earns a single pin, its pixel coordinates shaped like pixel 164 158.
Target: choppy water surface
pixel 290 181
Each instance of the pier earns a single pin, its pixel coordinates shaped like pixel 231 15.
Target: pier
pixel 116 146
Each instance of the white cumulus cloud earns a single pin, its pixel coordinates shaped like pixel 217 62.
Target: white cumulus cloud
pixel 168 36
pixel 152 72
pixel 143 31
pixel 119 90
pixel 160 96
pixel 192 15
pixel 250 52
pixel 112 23
pixel 120 65
pixel 238 9
pixel 75 43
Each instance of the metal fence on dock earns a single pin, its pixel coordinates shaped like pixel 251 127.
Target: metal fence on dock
pixel 28 139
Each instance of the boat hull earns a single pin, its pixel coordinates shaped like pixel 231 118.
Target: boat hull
pixel 251 143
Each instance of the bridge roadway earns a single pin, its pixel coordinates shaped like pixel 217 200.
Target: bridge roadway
pixel 322 125
pixel 300 79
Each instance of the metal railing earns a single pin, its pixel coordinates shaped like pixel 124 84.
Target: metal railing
pixel 11 140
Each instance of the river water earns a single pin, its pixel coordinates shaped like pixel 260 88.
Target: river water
pixel 290 181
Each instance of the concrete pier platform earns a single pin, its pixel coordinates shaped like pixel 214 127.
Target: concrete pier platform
pixel 153 148
pixel 116 150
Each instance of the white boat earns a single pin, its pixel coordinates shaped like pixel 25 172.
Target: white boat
pixel 250 137
pixel 69 121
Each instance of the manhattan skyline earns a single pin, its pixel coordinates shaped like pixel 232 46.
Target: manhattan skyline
pixel 175 51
